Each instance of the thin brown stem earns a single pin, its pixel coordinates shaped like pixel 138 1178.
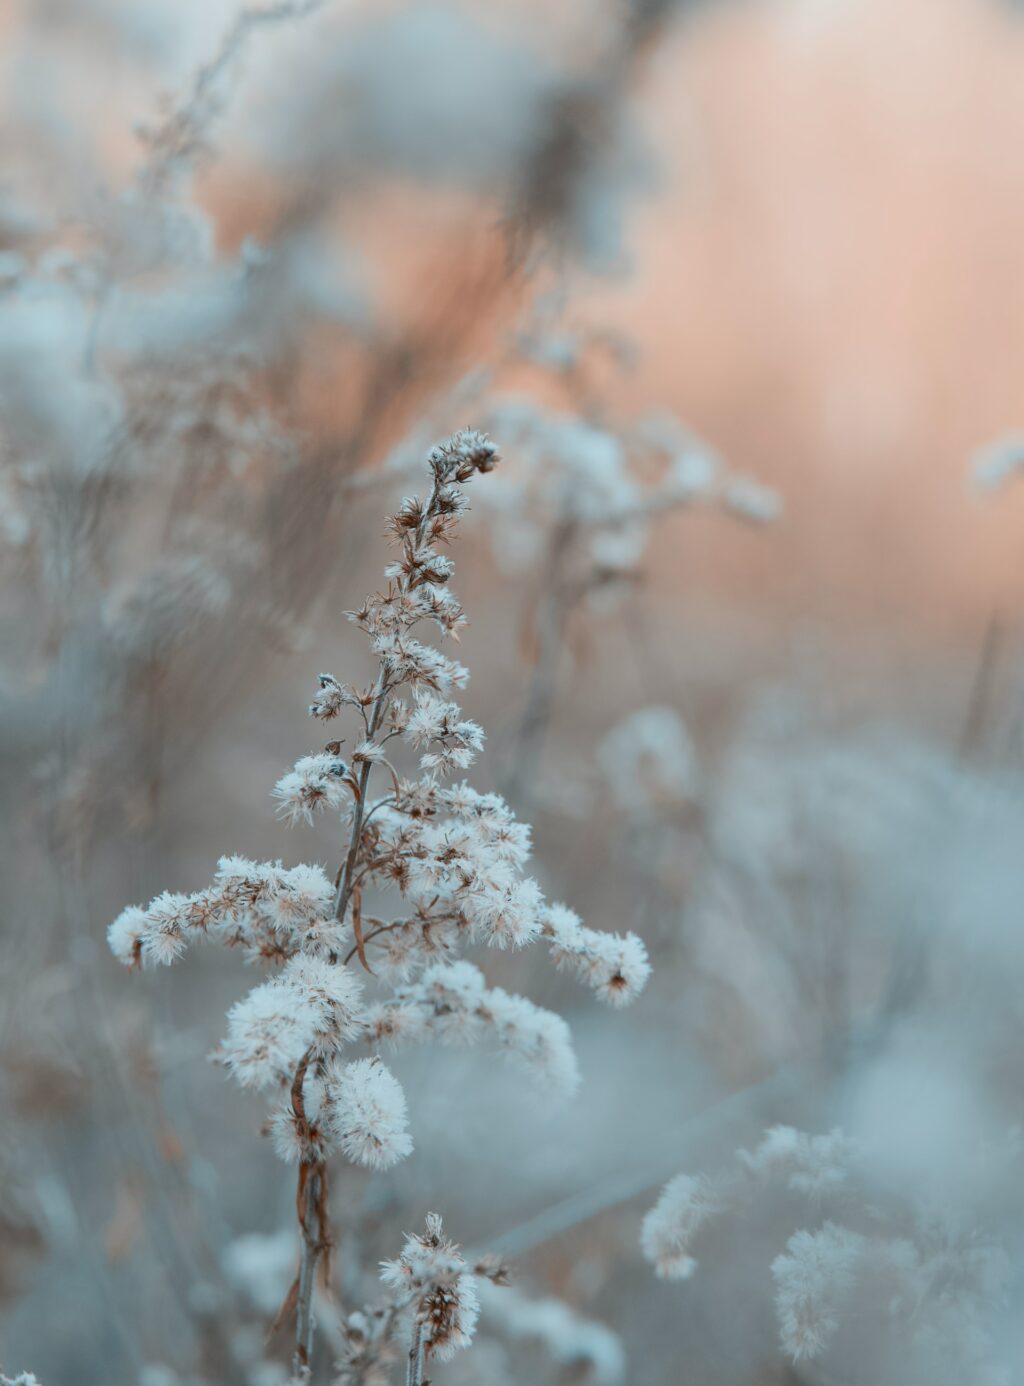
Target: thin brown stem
pixel 374 933
pixel 381 803
pixel 310 1186
pixel 344 891
pixel 311 1207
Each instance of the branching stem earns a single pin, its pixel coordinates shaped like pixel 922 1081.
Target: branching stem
pixel 312 1187
pixel 380 697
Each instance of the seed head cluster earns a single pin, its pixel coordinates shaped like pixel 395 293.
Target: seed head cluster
pixel 345 971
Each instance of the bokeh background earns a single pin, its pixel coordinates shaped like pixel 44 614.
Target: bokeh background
pixel 738 287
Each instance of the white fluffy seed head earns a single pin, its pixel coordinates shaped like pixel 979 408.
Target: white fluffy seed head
pixel 268 1032
pixel 125 935
pixel 330 993
pixel 367 1113
pixel 315 785
pixel 615 966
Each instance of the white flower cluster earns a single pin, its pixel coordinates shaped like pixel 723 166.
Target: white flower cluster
pixel 310 1003
pixel 615 966
pixel 433 1281
pixel 454 856
pixel 814 1166
pixel 456 741
pixel 835 1275
pixel 359 1106
pixel 452 1005
pixel 270 912
pixel 314 785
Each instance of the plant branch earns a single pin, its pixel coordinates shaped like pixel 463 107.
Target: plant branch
pixel 374 933
pixel 380 696
pixel 415 1373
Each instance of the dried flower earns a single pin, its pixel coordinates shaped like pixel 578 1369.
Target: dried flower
pixel 432 1277
pixel 455 859
pixel 366 1107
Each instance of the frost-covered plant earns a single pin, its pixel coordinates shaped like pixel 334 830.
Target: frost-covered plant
pixel 427 1306
pixel 435 1298
pixel 581 506
pixel 176 341
pixel 435 1288
pixel 924 1281
pixel 454 858
pixel 431 1302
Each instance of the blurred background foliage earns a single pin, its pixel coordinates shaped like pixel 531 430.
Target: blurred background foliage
pixel 738 289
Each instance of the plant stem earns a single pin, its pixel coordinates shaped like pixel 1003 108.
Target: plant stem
pixel 312 1243
pixel 415 1375
pixel 375 933
pixel 310 1204
pixel 312 1175
pixel 380 696
pixel 344 892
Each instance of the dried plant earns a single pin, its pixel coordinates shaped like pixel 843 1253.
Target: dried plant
pixel 432 1284
pixel 454 857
